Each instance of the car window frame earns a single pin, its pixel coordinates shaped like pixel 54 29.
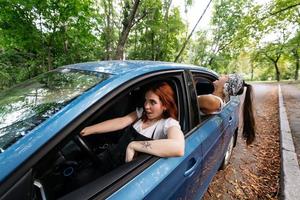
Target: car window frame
pixel 146 160
pixel 205 75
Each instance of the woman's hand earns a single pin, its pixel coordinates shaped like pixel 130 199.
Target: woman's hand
pixel 86 131
pixel 130 152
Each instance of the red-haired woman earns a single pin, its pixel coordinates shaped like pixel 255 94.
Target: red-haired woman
pixel 153 129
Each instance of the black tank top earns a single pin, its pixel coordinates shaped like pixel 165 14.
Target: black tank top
pixel 115 155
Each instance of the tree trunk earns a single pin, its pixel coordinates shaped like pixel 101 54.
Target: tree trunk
pixel 210 61
pixel 165 38
pixel 297 70
pixel 49 54
pixel 127 25
pixel 152 45
pixel 49 59
pixel 108 29
pixel 66 45
pixel 296 55
pixel 275 61
pixel 277 71
pixel 252 72
pixel 167 8
pixel 135 41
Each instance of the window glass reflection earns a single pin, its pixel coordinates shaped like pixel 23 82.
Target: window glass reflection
pixel 24 107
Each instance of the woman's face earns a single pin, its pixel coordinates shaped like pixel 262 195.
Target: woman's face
pixel 220 82
pixel 153 106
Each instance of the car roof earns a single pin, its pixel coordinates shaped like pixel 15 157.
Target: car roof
pixel 123 67
pixel 121 72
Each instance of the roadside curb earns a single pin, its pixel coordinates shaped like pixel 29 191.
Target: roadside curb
pixel 290 172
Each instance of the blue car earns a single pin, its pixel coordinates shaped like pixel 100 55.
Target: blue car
pixel 43 155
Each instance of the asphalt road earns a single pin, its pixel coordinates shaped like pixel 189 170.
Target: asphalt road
pixel 291 96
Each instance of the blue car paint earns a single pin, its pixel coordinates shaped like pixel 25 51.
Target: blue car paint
pixel 212 134
pixel 117 67
pixel 235 110
pixel 217 154
pixel 152 183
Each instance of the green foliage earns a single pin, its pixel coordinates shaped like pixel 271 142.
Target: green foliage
pixel 158 36
pixel 229 35
pixel 39 35
pixel 243 28
pixel 292 54
pixel 198 53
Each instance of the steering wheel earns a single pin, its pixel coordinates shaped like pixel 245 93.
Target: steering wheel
pixel 83 145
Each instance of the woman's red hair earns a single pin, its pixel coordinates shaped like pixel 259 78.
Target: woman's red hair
pixel 167 96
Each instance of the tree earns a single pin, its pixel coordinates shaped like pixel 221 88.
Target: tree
pixel 45 34
pixel 228 30
pixel 293 50
pixel 273 52
pixel 158 35
pixel 129 20
pixel 108 31
pixel 198 49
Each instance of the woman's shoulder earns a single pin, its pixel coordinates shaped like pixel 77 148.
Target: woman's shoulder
pixel 168 122
pixel 170 119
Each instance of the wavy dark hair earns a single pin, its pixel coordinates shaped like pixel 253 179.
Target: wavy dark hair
pixel 249 127
pixel 167 96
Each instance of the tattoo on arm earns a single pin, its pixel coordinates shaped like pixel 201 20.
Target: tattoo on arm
pixel 146 145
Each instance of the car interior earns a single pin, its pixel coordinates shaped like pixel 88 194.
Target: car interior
pixel 203 86
pixel 74 164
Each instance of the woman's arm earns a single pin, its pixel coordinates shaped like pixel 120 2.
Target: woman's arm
pixel 110 125
pixel 171 147
pixel 209 103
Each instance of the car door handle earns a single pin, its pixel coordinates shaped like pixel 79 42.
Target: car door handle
pixel 192 165
pixel 230 120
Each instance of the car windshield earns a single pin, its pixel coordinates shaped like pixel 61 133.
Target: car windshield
pixel 25 106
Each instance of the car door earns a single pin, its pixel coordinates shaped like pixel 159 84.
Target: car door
pixel 212 133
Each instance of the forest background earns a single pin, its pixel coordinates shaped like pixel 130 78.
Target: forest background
pixel 39 35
